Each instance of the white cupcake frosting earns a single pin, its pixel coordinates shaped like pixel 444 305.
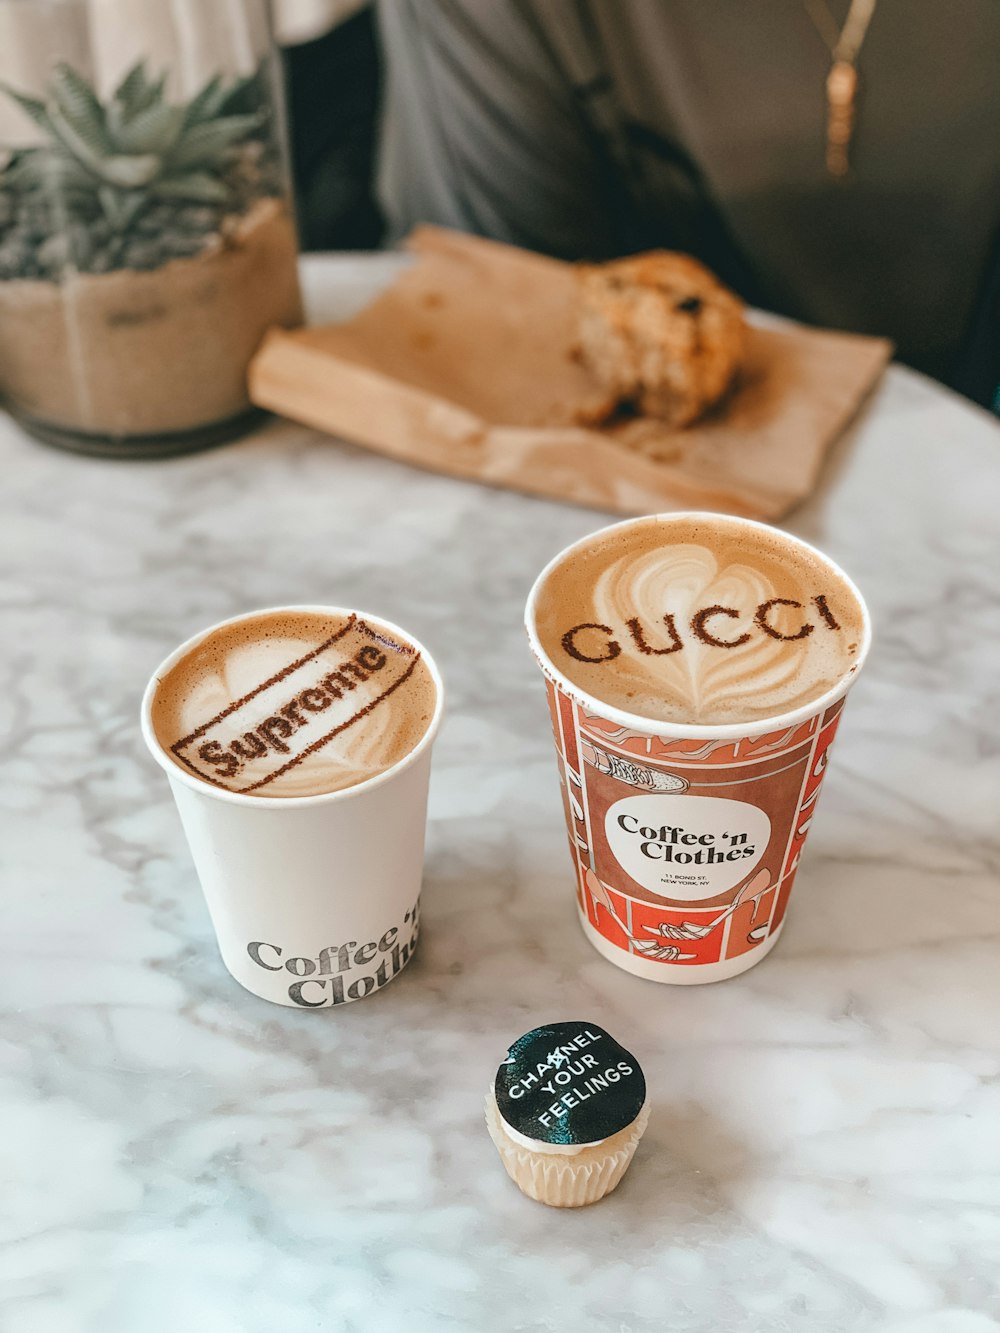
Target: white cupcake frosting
pixel 553 1149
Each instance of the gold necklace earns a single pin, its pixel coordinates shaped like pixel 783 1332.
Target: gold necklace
pixel 842 81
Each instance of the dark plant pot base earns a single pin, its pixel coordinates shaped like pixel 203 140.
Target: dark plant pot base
pixel 144 446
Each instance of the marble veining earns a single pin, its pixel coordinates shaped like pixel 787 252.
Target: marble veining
pixel 824 1150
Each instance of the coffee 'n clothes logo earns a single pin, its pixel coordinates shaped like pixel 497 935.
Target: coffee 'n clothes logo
pixel 688 847
pixel 339 972
pixel 686 850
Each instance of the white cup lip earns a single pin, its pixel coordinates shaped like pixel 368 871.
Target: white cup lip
pixel 176 773
pixel 693 731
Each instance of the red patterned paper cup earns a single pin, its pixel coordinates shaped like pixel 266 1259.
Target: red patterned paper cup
pixel 685 840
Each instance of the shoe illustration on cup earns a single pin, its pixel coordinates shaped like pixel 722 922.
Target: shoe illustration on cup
pixel 754 889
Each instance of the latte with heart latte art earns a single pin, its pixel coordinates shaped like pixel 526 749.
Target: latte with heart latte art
pixel 698 619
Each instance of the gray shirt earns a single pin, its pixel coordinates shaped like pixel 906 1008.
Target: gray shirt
pixel 588 128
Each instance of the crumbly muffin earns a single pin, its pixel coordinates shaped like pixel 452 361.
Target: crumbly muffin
pixel 660 333
pixel 566 1112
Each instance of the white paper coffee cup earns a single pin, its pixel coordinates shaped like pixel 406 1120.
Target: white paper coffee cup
pixel 315 900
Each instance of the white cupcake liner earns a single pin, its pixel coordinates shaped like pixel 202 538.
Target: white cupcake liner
pixel 560 1180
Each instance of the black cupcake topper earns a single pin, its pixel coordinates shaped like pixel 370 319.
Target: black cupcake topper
pixel 569 1083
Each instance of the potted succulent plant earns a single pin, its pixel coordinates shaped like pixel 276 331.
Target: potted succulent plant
pixel 146 244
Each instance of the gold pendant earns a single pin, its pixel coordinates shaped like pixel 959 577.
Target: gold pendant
pixel 841 89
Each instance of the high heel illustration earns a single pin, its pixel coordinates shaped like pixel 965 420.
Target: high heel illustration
pixel 754 888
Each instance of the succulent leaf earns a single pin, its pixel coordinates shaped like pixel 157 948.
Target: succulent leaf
pixel 80 107
pixel 31 106
pixel 206 145
pixel 47 169
pixel 117 118
pixel 72 141
pixel 120 207
pixel 245 95
pixel 131 90
pixel 131 172
pixel 206 104
pixel 154 92
pixel 136 91
pixel 153 130
pixel 196 186
pixel 132 205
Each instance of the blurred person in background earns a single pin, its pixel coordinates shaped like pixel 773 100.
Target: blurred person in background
pixel 332 77
pixel 836 161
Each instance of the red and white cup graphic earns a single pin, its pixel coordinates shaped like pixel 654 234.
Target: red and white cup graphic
pixel 686 839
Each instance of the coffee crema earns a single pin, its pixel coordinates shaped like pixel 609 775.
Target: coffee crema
pixel 294 703
pixel 697 620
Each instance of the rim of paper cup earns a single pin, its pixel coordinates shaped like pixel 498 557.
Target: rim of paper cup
pixel 174 770
pixel 684 730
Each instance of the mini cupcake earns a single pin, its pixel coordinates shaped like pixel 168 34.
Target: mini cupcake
pixel 566 1112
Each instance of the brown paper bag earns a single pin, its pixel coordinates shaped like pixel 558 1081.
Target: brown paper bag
pixel 465 365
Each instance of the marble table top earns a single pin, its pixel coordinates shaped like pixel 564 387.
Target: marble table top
pixel 824 1152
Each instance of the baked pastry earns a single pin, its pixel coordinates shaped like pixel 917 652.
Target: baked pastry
pixel 660 333
pixel 566 1112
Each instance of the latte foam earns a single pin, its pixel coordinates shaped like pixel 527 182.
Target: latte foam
pixel 697 619
pixel 294 703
